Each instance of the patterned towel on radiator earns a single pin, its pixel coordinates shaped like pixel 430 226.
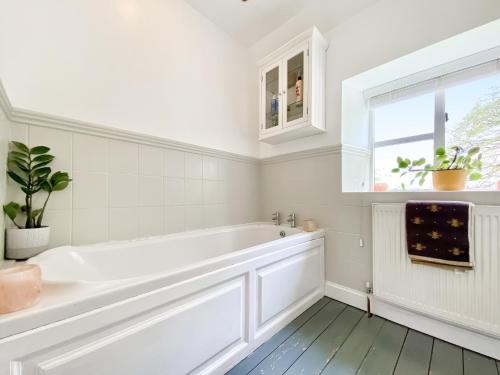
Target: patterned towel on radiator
pixel 440 233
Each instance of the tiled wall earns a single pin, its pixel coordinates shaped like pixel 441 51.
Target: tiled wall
pixel 123 190
pixel 311 188
pixel 4 134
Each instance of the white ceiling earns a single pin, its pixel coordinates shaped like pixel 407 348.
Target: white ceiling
pixel 250 21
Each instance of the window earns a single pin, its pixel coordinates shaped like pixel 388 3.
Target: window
pixel 462 108
pixel 474 120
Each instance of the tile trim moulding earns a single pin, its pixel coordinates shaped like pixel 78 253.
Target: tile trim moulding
pixel 336 149
pixel 26 117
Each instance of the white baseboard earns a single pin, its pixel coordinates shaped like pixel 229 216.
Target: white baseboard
pixel 474 341
pixel 346 295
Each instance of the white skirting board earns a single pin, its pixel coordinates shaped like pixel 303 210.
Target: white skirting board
pixel 468 339
pixel 346 295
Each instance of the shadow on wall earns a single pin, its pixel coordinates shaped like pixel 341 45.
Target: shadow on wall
pixel 4 133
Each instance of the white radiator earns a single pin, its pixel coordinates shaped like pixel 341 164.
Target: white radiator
pixel 466 298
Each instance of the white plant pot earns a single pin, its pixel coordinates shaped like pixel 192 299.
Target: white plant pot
pixel 26 243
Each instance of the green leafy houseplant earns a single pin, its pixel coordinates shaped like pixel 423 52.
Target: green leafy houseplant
pixel 456 159
pixel 30 169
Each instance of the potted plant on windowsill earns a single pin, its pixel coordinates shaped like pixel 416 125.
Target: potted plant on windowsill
pixel 29 168
pixel 450 170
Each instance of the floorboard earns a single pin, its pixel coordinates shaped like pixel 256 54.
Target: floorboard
pixel 250 362
pixel 353 351
pixel 327 344
pixel 447 359
pixel 384 353
pixel 333 338
pixel 475 363
pixel 416 355
pixel 287 353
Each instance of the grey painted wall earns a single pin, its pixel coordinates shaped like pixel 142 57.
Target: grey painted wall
pixel 311 188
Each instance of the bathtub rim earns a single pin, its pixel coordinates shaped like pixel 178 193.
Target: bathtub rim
pixel 111 245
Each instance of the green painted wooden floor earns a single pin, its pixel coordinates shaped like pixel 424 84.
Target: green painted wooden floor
pixel 333 338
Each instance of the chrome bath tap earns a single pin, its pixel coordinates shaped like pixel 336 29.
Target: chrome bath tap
pixel 291 220
pixel 276 218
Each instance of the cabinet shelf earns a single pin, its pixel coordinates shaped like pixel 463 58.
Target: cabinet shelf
pixel 295 110
pixel 297 104
pixel 271 116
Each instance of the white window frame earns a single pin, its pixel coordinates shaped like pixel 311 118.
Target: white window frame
pixel 438 135
pixel 432 83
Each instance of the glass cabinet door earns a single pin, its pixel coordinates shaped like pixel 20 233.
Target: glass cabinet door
pixel 296 83
pixel 272 98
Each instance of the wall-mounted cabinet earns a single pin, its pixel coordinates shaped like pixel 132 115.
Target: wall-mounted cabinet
pixel 292 89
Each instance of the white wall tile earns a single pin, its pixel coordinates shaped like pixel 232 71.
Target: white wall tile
pixel 174 163
pixel 211 193
pixel 151 221
pixel 123 190
pixel 90 225
pixel 222 195
pixel 194 217
pixel 19 133
pixel 123 157
pixel 59 200
pixel 174 219
pixel 215 215
pixel 151 161
pixel 151 191
pixel 14 194
pixel 210 168
pixel 60 143
pixel 90 190
pixel 194 166
pixel 194 191
pixel 223 169
pixel 5 130
pixel 90 153
pixel 60 222
pixel 174 191
pixel 123 223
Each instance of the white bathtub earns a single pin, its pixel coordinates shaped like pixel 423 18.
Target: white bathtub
pixel 196 302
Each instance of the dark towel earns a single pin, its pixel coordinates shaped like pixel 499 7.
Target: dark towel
pixel 440 232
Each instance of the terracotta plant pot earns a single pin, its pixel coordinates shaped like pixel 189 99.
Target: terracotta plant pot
pixel 449 179
pixel 26 243
pixel 380 187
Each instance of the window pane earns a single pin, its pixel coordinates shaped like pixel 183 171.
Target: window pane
pixel 474 120
pixel 404 118
pixel 385 161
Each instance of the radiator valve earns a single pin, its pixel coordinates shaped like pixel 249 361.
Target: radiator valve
pixel 369 289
